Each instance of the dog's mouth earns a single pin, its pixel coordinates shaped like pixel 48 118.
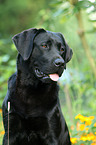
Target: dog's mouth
pixel 40 74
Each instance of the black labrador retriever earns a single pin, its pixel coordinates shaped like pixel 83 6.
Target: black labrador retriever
pixel 35 116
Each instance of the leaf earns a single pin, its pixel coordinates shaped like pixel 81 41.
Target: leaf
pixel 75 10
pixel 59 12
pixel 83 4
pixel 54 4
pixel 92 20
pixel 5 58
pixel 63 9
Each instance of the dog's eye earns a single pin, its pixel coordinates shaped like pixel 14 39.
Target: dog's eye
pixel 44 46
pixel 62 49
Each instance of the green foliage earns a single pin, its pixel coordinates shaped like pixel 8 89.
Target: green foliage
pixel 82 91
pixel 65 10
pixel 83 4
pixel 7 65
pixel 18 15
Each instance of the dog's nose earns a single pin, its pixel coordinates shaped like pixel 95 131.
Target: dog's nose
pixel 58 62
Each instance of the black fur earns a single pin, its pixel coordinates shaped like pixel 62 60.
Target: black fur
pixel 35 116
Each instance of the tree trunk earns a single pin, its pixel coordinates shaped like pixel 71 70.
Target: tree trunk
pixel 83 39
pixel 85 43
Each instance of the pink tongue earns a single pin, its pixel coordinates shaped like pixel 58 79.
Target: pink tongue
pixel 54 77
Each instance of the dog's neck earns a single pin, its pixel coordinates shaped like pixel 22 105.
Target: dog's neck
pixel 23 74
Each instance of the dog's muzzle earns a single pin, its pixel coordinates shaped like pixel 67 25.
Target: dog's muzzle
pixel 58 68
pixel 59 62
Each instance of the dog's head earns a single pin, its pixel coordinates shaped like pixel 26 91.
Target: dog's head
pixel 46 51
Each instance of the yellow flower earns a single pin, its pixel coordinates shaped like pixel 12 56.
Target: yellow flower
pixel 95 124
pixel 88 122
pixel 0 110
pixel 82 127
pixel 91 117
pixel 2 133
pixel 94 140
pixel 78 116
pixel 74 140
pixel 84 138
pixel 93 143
pixel 81 117
pixel 90 136
pixel 87 128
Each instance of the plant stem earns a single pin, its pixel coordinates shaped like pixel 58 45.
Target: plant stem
pixel 85 43
pixel 83 39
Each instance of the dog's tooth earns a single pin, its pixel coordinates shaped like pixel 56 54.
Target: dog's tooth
pixel 41 73
pixel 38 72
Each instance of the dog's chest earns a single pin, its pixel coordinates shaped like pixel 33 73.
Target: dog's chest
pixel 44 128
pixel 42 96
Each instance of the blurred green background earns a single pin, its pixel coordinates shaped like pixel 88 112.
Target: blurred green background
pixel 76 19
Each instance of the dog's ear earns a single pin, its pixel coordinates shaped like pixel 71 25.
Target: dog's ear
pixel 24 41
pixel 69 51
pixel 68 54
